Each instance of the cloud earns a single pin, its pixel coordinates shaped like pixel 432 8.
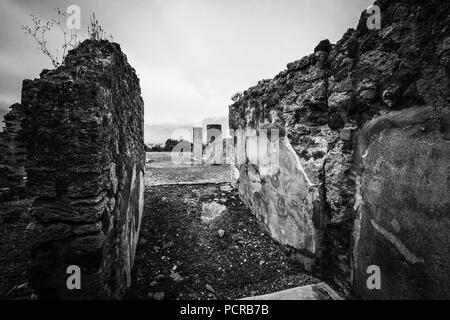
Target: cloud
pixel 191 56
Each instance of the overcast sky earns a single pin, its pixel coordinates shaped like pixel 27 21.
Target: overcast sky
pixel 191 55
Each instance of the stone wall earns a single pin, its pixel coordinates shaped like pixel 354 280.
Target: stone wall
pixel 342 185
pixel 12 156
pixel 84 136
pixel 403 204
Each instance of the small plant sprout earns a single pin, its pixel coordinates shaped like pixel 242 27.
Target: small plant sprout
pixel 96 31
pixel 40 29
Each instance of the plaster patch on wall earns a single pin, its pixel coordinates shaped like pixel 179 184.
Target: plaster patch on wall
pixel 408 255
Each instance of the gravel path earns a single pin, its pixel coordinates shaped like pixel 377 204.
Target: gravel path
pixel 197 241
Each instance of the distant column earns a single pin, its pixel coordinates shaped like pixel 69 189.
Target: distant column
pixel 215 143
pixel 213 132
pixel 197 139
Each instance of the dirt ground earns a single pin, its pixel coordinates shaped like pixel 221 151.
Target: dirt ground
pixel 198 241
pixel 182 256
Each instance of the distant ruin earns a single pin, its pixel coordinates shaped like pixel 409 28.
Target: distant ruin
pixel 214 149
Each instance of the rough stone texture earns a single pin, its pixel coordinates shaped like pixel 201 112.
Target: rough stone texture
pixel 320 103
pixel 83 130
pixel 404 204
pixel 12 156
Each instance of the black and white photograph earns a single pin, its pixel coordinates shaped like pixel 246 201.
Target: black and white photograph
pixel 211 157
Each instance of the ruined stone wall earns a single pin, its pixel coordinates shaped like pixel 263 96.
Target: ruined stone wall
pixel 84 136
pixel 364 153
pixel 12 156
